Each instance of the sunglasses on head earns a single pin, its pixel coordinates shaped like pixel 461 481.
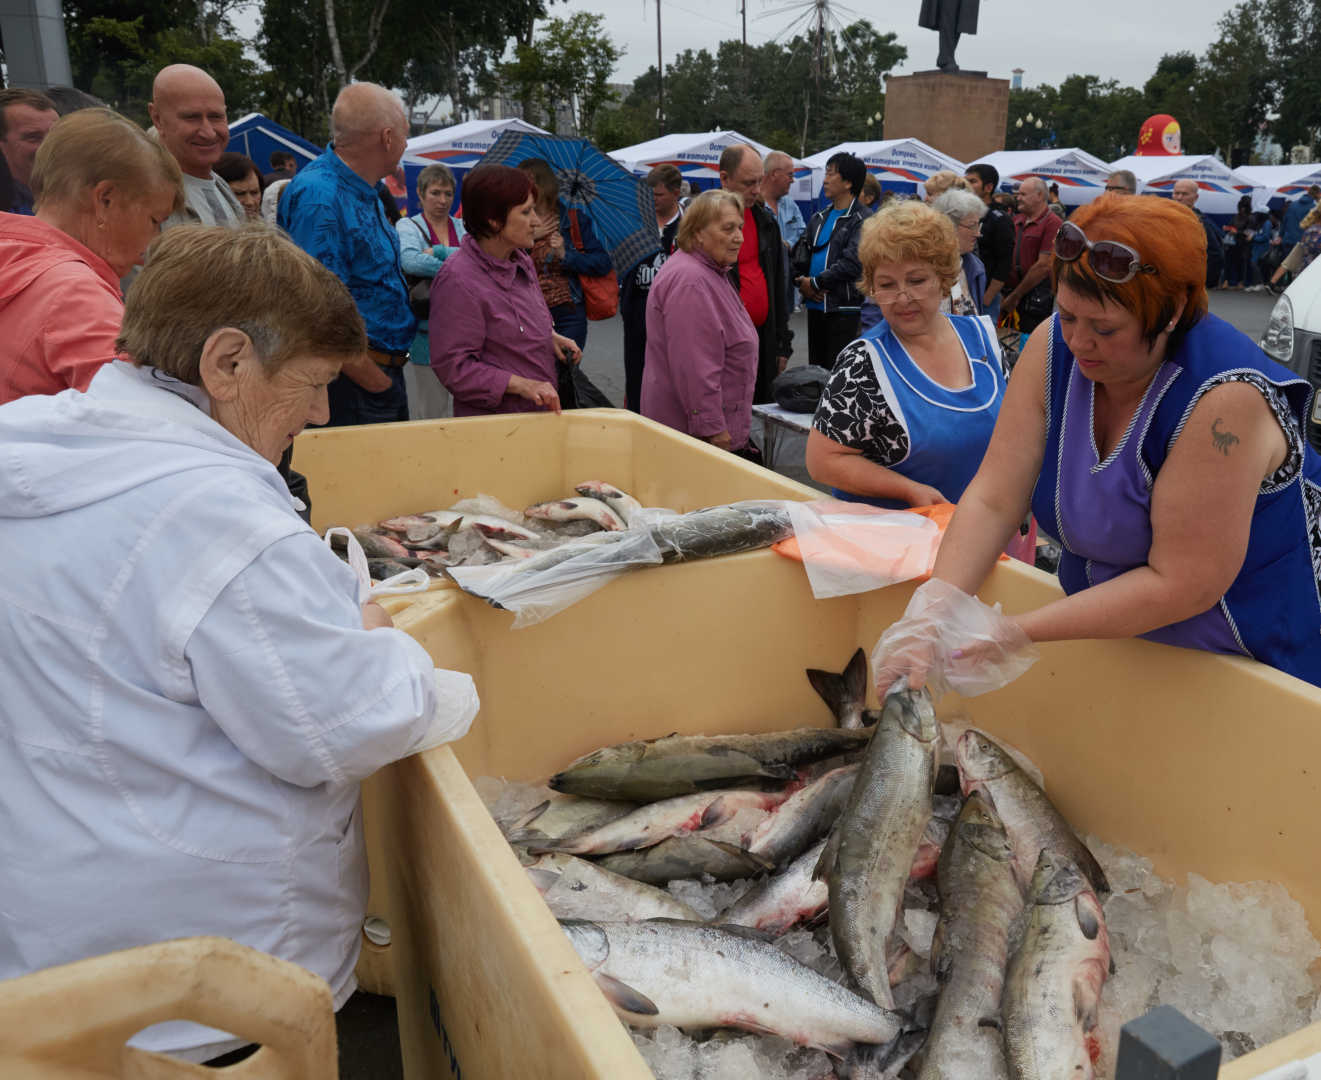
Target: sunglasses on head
pixel 1109 259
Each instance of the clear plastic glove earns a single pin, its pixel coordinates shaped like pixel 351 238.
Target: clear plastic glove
pixel 948 640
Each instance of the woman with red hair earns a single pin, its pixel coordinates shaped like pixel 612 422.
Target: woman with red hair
pixel 1162 449
pixel 493 345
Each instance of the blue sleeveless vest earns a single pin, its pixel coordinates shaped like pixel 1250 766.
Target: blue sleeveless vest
pixel 1100 511
pixel 948 430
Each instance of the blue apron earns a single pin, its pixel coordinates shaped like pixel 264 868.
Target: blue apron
pixel 948 430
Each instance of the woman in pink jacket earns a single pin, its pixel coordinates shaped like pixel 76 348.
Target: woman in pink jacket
pixel 701 361
pixel 102 190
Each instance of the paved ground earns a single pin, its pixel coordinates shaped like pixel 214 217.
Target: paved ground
pixel 370 1049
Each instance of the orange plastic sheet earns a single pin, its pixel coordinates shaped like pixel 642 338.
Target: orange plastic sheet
pixel 849 548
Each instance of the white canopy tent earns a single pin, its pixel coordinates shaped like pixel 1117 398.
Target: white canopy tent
pixel 901 164
pixel 1221 187
pixel 1288 182
pixel 461 146
pixel 697 157
pixel 1081 176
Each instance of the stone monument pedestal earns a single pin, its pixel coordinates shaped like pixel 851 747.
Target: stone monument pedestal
pixel 960 113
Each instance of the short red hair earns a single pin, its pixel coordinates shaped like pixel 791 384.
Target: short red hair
pixel 1166 235
pixel 489 193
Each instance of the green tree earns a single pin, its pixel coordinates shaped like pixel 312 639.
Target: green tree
pixel 1173 88
pixel 570 63
pixel 116 58
pixel 1235 89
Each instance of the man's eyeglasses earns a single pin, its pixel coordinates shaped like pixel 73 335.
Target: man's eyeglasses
pixel 1111 260
pixel 1116 187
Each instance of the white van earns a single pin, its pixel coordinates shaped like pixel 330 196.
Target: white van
pixel 1293 337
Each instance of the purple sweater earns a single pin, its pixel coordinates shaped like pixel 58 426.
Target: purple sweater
pixel 701 351
pixel 489 321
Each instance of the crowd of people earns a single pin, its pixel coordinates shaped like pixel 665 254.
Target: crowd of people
pixel 195 696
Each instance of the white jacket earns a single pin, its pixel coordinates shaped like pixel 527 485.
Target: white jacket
pixel 188 700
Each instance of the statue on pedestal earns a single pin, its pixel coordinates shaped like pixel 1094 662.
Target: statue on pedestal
pixel 950 18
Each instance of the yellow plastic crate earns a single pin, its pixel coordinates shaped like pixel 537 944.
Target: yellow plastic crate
pixel 1203 763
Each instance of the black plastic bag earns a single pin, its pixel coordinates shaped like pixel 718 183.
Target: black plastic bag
pixel 577 391
pixel 800 388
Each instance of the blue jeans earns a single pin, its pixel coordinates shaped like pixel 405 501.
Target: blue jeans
pixel 351 404
pixel 993 309
pixel 571 321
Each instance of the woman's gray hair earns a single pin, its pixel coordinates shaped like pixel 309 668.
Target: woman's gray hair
pixel 701 212
pixel 957 204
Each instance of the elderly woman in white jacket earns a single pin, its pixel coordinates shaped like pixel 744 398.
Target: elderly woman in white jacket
pixel 192 692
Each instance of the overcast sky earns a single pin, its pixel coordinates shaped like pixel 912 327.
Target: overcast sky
pixel 1049 41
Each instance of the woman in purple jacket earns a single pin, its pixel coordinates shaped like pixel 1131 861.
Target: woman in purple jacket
pixel 492 342
pixel 701 362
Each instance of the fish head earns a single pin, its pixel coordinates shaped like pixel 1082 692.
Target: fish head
pixel 589 941
pixel 1056 880
pixel 981 758
pixel 980 826
pixel 914 711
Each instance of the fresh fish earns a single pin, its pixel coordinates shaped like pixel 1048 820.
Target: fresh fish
pixel 846 692
pixel 804 817
pixel 428 523
pixel 433 537
pixel 375 545
pixel 566 530
pixel 979 902
pixel 722 530
pixel 1053 985
pixel 509 549
pixel 1029 817
pixel 783 900
pixel 682 857
pixel 664 971
pixel 647 770
pixel 879 833
pixel 573 509
pixel 649 825
pixel 574 888
pixel 380 569
pixel 624 505
pixel 494 528
pixel 561 817
pixel 885 1062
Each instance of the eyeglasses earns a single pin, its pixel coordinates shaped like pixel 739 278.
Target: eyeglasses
pixel 1116 187
pixel 1111 260
pixel 971 224
pixel 914 290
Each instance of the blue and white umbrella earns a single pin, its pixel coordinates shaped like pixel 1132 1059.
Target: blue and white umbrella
pixel 621 205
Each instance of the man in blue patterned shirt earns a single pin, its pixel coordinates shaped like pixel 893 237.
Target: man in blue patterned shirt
pixel 332 211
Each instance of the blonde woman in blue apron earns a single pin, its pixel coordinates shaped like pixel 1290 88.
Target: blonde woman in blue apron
pixel 910 406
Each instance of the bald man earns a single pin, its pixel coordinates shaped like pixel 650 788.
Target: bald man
pixel 1185 191
pixel 188 112
pixel 332 210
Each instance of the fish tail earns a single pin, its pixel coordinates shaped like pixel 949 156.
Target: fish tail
pixel 845 692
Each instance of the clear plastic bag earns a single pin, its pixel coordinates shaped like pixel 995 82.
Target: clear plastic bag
pixel 456 694
pixel 414 580
pixel 850 548
pixel 948 640
pixel 535 589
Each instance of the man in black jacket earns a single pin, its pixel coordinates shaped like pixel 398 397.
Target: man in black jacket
pixel 996 246
pixel 828 270
pixel 1186 191
pixel 759 272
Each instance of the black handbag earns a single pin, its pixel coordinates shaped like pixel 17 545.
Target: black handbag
pixel 419 288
